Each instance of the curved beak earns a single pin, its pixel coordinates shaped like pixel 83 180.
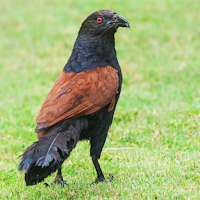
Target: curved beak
pixel 121 22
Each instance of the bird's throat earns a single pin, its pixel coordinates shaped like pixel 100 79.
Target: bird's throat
pixel 89 53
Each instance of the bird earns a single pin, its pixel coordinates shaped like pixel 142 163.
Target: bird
pixel 82 102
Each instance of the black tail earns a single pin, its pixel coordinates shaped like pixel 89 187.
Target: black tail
pixel 47 154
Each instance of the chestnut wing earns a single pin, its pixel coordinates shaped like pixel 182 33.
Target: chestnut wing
pixel 79 94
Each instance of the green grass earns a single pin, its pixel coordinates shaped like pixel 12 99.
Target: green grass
pixel 153 145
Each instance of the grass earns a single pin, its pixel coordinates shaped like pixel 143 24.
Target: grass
pixel 153 145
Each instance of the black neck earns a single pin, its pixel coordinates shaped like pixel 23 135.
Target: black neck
pixel 91 52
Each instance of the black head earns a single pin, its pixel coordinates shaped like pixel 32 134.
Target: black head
pixel 95 44
pixel 102 22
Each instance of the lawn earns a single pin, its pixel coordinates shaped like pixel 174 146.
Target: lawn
pixel 152 149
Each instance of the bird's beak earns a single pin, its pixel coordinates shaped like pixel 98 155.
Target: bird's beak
pixel 121 22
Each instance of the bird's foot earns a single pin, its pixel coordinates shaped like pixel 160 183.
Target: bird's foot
pixel 110 178
pixel 102 179
pixel 59 180
pixel 99 179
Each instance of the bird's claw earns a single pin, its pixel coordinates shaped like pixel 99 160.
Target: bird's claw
pixel 102 179
pixel 99 179
pixel 58 180
pixel 46 184
pixel 110 178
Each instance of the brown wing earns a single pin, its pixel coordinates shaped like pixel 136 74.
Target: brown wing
pixel 79 94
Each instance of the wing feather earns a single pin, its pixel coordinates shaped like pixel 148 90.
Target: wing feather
pixel 79 94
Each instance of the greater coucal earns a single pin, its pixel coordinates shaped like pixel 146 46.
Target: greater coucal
pixel 81 103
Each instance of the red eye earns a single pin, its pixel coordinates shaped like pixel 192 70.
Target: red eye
pixel 99 19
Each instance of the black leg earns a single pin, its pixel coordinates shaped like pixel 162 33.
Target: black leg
pixel 59 178
pixel 100 176
pixel 97 140
pixel 98 168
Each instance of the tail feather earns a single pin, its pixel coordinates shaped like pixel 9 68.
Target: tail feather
pixel 47 154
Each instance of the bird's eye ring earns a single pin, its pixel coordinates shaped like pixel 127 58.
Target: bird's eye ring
pixel 99 19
